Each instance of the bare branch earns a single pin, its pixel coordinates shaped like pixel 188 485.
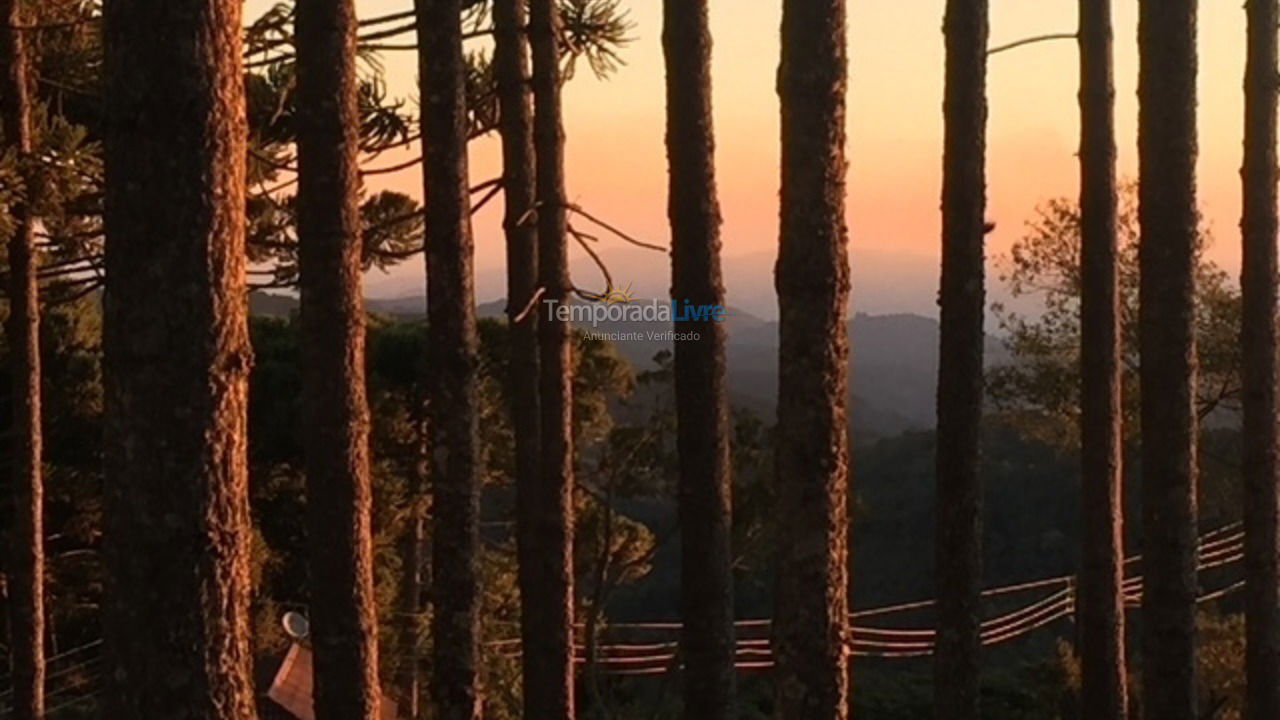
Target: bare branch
pixel 394 168
pixel 91 285
pixel 489 195
pixel 529 306
pixel 639 243
pixel 608 279
pixel 1030 41
pixel 383 19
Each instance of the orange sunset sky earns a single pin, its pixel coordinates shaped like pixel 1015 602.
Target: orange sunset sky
pixel 617 166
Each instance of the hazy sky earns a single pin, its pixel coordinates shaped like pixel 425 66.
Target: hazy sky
pixel 617 166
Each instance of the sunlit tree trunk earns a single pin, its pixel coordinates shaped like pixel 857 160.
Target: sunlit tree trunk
pixel 1101 599
pixel 26 569
pixel 706 578
pixel 176 364
pixel 547 619
pixel 1258 342
pixel 811 624
pixel 454 366
pixel 960 376
pixel 1168 218
pixel 336 412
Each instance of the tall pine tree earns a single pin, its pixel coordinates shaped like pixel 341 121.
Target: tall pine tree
pixel 1101 603
pixel 26 569
pixel 547 616
pixel 811 623
pixel 176 363
pixel 1168 219
pixel 454 366
pixel 515 100
pixel 707 641
pixel 960 375
pixel 1259 345
pixel 708 644
pixel 335 409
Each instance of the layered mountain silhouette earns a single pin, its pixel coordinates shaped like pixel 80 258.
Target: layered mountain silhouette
pixel 894 363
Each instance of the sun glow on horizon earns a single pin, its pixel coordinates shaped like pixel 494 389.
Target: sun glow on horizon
pixel 617 163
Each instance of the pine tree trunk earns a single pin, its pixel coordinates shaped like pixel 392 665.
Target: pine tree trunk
pixel 1168 216
pixel 412 556
pixel 548 616
pixel 409 699
pixel 336 412
pixel 176 364
pixel 811 624
pixel 26 569
pixel 706 580
pixel 1101 604
pixel 454 366
pixel 960 376
pixel 1258 342
pixel 511 66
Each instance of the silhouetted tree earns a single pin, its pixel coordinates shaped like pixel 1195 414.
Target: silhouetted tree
pixel 811 623
pixel 515 125
pixel 706 580
pixel 1101 605
pixel 177 357
pixel 547 617
pixel 453 368
pixel 26 570
pixel 1259 345
pixel 960 375
pixel 1167 215
pixel 335 418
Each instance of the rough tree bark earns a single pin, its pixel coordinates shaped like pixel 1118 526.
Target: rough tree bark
pixel 1259 345
pixel 26 569
pixel 1168 217
pixel 1101 605
pixel 454 364
pixel 707 641
pixel 548 616
pixel 336 412
pixel 176 363
pixel 810 633
pixel 960 375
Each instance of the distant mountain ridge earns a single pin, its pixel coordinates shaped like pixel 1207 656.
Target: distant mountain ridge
pixel 893 374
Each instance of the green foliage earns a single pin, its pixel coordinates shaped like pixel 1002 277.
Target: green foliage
pixel 1221 664
pixel 73 404
pixel 1040 386
pixel 594 30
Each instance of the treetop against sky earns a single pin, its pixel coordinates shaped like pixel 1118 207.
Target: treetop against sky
pixel 617 164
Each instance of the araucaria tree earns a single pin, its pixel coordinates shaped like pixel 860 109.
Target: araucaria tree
pixel 177 357
pixel 335 410
pixel 811 625
pixel 453 368
pixel 960 376
pixel 1259 344
pixel 547 567
pixel 26 557
pixel 1166 256
pixel 707 641
pixel 1101 602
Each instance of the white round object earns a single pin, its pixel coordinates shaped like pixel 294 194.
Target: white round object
pixel 296 625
